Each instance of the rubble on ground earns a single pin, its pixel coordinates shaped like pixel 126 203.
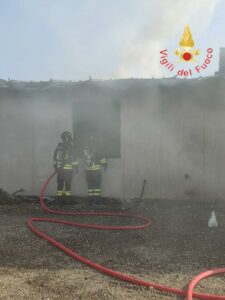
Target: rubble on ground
pixel 5 197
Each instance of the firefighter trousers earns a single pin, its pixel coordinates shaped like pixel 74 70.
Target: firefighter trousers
pixel 64 179
pixel 94 182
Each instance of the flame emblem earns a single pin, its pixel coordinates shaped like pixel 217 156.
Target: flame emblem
pixel 187 51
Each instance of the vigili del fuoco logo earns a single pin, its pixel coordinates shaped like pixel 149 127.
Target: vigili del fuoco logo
pixel 188 55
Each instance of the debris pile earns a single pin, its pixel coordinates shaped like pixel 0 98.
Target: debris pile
pixel 5 197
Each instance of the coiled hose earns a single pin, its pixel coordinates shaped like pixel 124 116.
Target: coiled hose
pixel 128 278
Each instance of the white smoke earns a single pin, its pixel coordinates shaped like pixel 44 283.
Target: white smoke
pixel 161 22
pixel 114 39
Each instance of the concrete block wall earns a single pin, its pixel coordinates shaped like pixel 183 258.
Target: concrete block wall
pixel 172 135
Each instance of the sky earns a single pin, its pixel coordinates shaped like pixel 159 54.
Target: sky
pixel 104 39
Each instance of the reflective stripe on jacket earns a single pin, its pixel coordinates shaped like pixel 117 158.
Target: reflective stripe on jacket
pixel 95 166
pixel 64 157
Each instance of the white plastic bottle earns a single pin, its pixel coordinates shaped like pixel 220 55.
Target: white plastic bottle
pixel 212 220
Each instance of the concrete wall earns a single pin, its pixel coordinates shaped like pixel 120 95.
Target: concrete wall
pixel 30 126
pixel 29 131
pixel 172 135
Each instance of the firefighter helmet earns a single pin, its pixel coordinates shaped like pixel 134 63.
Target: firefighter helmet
pixel 66 136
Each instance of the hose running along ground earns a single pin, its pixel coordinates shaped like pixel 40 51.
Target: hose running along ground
pixel 121 276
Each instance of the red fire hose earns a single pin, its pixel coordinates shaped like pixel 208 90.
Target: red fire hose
pixel 128 278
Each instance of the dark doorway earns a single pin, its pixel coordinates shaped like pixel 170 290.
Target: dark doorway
pixel 102 118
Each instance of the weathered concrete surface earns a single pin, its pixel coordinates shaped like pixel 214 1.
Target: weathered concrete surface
pixel 172 135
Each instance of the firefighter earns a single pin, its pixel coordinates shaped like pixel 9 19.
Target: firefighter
pixel 64 164
pixel 93 168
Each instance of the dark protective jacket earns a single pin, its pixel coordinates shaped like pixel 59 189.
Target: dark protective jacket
pixel 92 161
pixel 64 157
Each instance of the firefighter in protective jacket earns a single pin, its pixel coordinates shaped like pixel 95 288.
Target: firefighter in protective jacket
pixel 64 164
pixel 93 167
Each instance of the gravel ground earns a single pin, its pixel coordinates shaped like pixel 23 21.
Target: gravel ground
pixel 177 246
